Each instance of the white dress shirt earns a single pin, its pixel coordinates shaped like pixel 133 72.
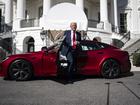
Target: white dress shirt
pixel 72 37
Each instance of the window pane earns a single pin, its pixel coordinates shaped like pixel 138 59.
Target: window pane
pixel 123 22
pixel 96 46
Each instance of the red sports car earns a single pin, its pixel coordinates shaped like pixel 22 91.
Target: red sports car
pixel 93 58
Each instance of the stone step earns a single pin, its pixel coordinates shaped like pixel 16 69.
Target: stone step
pixel 132 46
pixel 130 43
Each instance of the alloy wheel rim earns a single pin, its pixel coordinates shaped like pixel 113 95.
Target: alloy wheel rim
pixel 111 69
pixel 20 70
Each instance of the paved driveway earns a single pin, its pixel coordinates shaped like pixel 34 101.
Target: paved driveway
pixel 84 91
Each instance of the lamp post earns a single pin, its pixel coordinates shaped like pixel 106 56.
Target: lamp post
pixel 43 35
pixel 14 34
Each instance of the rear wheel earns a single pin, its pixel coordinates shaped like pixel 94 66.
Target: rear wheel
pixel 20 70
pixel 110 69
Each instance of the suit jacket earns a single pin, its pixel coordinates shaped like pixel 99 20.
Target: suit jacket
pixel 66 45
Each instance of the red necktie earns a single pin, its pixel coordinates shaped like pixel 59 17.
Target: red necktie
pixel 74 40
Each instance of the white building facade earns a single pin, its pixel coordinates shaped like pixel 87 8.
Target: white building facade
pixel 105 18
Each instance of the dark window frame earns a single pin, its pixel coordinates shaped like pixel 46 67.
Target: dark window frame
pixel 123 22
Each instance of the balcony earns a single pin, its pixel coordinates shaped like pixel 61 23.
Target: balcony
pixel 95 24
pixel 29 23
pixel 5 28
pixel 92 23
pixel 35 23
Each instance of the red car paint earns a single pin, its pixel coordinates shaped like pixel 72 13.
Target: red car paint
pixel 89 62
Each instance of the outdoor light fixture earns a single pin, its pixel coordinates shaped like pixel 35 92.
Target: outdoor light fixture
pixel 14 34
pixel 43 35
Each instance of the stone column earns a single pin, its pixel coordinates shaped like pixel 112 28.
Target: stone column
pixel 112 12
pixel 8 11
pixel 135 20
pixel 104 15
pixel 103 10
pixel 80 4
pixel 20 14
pixel 21 7
pixel 46 6
pixel 116 16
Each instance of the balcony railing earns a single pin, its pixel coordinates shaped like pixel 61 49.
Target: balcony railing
pixel 29 23
pixel 92 23
pixel 5 28
pixel 95 24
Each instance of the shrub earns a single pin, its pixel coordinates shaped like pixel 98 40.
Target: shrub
pixel 136 59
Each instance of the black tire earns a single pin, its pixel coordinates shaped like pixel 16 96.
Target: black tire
pixel 110 69
pixel 20 70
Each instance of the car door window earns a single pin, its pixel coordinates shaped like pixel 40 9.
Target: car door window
pixel 95 46
pixel 84 48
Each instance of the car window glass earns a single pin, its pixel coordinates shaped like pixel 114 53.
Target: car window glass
pixel 95 46
pixel 102 45
pixel 84 48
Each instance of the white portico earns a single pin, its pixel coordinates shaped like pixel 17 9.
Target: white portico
pixel 28 18
pixel 21 6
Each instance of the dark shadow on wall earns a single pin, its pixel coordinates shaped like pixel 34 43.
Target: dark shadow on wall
pixel 6 44
pixel 3 26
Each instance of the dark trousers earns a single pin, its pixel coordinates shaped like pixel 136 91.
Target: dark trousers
pixel 71 56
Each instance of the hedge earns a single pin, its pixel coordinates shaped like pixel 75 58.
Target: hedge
pixel 136 59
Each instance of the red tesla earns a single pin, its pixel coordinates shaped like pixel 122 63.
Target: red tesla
pixel 93 58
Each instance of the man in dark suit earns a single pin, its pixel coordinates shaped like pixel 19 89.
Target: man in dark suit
pixel 72 39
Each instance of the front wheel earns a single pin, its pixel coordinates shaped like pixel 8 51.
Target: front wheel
pixel 110 69
pixel 20 70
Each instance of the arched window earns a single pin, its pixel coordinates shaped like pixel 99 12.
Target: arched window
pixel 30 45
